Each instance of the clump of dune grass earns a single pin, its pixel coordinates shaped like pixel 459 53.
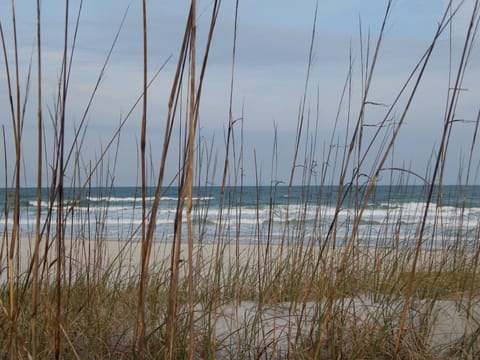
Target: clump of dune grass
pixel 309 294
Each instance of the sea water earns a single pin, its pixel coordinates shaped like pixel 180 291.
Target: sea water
pixel 389 215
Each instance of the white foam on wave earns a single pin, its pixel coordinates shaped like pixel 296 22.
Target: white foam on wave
pixel 117 199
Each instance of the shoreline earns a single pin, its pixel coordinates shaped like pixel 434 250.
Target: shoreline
pixel 111 253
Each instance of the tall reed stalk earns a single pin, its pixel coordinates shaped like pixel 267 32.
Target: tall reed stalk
pixel 39 188
pixel 141 322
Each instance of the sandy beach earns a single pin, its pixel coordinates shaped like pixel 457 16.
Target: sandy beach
pixel 125 256
pixel 445 324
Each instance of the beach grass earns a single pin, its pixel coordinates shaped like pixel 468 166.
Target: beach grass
pixel 305 295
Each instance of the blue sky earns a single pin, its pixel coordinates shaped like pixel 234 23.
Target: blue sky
pixel 271 64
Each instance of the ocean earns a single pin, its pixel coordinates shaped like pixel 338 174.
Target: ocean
pixel 276 214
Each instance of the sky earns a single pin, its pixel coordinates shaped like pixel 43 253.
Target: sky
pixel 271 65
